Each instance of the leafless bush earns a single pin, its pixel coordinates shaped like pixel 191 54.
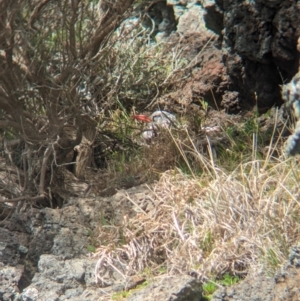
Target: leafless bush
pixel 50 51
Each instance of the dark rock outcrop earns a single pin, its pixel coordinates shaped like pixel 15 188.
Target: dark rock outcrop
pixel 254 42
pixel 259 43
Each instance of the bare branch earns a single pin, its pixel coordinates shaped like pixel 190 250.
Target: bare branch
pixel 47 155
pixel 24 198
pixel 35 13
pixel 72 34
pixel 5 124
pixel 112 15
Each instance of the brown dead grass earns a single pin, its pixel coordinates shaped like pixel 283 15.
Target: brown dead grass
pixel 205 225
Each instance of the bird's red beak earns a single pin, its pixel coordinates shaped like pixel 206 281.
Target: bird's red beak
pixel 143 118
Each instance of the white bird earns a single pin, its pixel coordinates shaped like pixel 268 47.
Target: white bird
pixel 158 119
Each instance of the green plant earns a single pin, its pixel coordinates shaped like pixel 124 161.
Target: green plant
pixel 209 287
pixel 272 259
pixel 119 296
pixel 204 104
pixel 142 285
pixel 229 279
pixel 207 244
pixel 91 249
pixel 103 220
pixel 162 270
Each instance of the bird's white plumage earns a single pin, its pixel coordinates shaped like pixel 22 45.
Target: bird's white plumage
pixel 159 119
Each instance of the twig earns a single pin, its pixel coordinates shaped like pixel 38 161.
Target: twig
pixel 35 13
pixel 177 226
pixel 24 198
pixel 47 155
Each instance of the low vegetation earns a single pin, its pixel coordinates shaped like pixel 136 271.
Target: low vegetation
pixel 225 205
pixel 214 219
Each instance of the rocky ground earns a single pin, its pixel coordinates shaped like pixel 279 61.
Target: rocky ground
pixel 44 252
pixel 44 256
pixel 248 51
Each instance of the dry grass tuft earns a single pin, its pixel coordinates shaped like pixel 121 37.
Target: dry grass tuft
pixel 209 224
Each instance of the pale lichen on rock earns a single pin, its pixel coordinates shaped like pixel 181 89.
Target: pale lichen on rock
pixel 291 94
